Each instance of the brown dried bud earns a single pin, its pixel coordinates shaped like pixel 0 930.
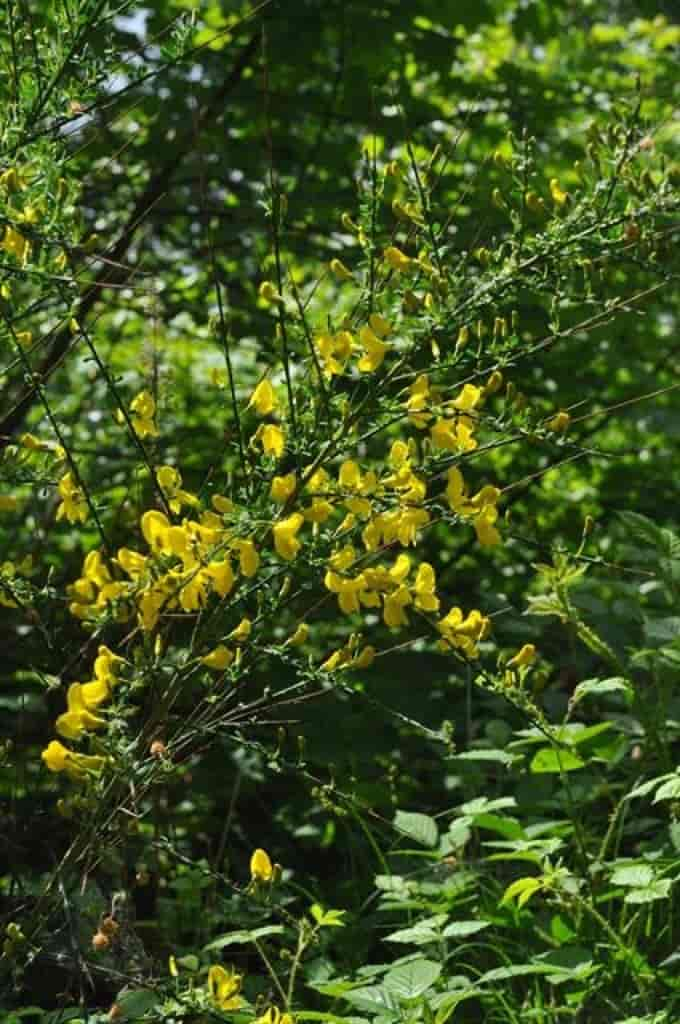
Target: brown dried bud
pixel 108 926
pixel 158 749
pixel 100 941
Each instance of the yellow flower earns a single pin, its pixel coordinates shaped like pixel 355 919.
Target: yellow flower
pixel 16 245
pixel 282 487
pixel 468 399
pixel 222 505
pixel 131 562
pixel 263 398
pixel 219 658
pixel 365 658
pixel 59 758
pixel 335 350
pixel 379 325
pixel 524 657
pixel 487 534
pixel 559 422
pixel 300 636
pixel 249 560
pixel 319 511
pixel 394 615
pixel 419 393
pixel 559 196
pixel 170 482
pixel 453 435
pixel 224 987
pixel 268 293
pixel 456 492
pixel 31 442
pixel 155 526
pixel 340 270
pixel 143 408
pixel 274 1016
pixel 261 868
pixel 194 593
pixel 242 631
pixel 222 576
pixel 285 540
pixel 78 719
pixel 105 665
pixel 396 258
pixel 273 440
pixel 425 587
pixel 463 633
pixel 73 505
pixel 376 350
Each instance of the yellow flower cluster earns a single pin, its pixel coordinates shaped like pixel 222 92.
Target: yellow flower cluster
pixel 83 700
pixel 186 563
pixel 463 631
pixel 481 509
pixel 377 586
pixel 336 349
pixel 452 423
pixel 270 436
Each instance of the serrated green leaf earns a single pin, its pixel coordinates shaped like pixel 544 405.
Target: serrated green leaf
pixel 632 875
pixel 412 979
pixel 419 827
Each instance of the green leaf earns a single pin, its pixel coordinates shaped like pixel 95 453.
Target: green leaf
pixel 412 979
pixel 658 890
pixel 428 930
pixel 603 688
pixel 508 827
pixel 522 889
pixel 668 791
pixel 483 805
pixel 633 875
pixel 137 1003
pixel 330 1018
pixel 548 760
pixel 495 756
pixel 327 918
pixel 243 937
pixel 516 971
pixel 646 787
pixel 372 998
pixel 461 929
pixel 419 827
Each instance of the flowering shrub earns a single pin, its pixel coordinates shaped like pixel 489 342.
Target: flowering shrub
pixel 331 518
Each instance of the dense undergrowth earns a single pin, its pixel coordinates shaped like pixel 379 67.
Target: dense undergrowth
pixel 339 580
